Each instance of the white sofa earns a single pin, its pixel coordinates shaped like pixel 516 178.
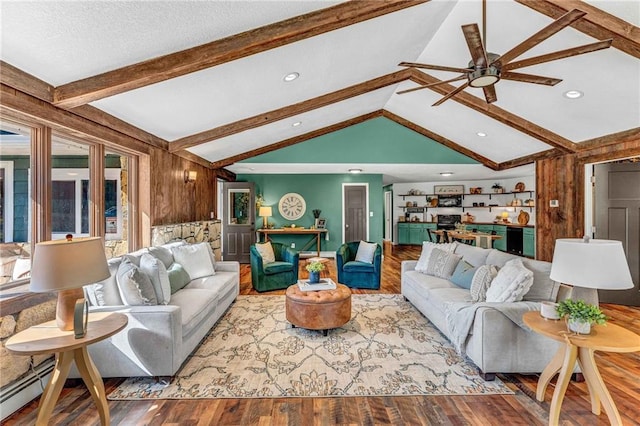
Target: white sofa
pixel 158 338
pixel 495 343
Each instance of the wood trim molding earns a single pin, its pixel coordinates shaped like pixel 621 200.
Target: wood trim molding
pixel 40 184
pixel 295 140
pixel 223 174
pixel 228 49
pixel 20 80
pixel 496 113
pixel 96 195
pixel 289 111
pixel 528 159
pixel 596 23
pixel 440 139
pixel 193 158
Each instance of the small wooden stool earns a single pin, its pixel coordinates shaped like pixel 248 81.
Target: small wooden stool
pixel 318 310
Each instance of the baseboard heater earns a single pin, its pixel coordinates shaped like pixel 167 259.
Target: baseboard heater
pixel 22 391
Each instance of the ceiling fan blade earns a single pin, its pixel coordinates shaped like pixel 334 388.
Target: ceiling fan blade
pixel 452 93
pixel 461 77
pixel 490 93
pixel 474 42
pixel 528 78
pixel 433 67
pixel 560 54
pixel 557 25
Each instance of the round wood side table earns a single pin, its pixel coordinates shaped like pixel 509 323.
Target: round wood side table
pixel 47 338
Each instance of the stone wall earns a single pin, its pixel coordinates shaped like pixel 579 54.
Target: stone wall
pixel 191 232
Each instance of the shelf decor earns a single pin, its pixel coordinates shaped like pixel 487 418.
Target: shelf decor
pixel 448 189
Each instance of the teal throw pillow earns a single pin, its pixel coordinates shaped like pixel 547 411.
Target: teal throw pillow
pixel 178 277
pixel 463 274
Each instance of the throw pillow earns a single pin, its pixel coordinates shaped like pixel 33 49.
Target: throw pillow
pixel 266 252
pixel 427 247
pixel 366 252
pixel 163 254
pixel 156 271
pixel 511 284
pixel 481 281
pixel 135 287
pixel 178 277
pixel 463 274
pixel 195 259
pixel 442 263
pixel 106 293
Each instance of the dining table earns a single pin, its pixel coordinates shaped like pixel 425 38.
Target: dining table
pixel 481 239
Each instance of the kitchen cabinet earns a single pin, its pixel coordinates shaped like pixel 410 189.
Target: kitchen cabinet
pixel 529 242
pixel 500 244
pixel 414 233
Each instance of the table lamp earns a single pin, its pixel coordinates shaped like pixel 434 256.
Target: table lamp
pixel 505 216
pixel 65 266
pixel 265 212
pixel 597 264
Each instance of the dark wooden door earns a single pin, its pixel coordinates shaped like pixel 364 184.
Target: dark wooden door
pixel 355 213
pixel 238 220
pixel 617 217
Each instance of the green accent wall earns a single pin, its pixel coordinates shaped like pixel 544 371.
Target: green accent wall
pixel 378 140
pixel 320 191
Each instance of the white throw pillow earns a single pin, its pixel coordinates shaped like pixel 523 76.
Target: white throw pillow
pixel 163 254
pixel 266 252
pixel 427 247
pixel 511 284
pixel 156 271
pixel 366 252
pixel 195 259
pixel 442 263
pixel 135 287
pixel 481 281
pixel 106 292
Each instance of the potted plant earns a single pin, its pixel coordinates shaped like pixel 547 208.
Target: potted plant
pixel 314 269
pixel 580 315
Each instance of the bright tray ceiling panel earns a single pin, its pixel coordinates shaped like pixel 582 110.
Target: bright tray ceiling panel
pixel 235 90
pixel 85 38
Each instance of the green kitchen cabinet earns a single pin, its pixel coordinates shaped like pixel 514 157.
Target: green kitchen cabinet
pixel 529 242
pixel 500 244
pixel 417 233
pixel 483 228
pixel 403 233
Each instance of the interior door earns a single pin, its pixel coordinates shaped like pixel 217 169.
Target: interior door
pixel 388 215
pixel 238 220
pixel 617 217
pixel 355 213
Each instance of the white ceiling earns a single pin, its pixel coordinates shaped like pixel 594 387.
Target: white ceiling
pixel 63 41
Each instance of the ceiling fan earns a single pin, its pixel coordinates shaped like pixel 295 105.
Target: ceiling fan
pixel 486 69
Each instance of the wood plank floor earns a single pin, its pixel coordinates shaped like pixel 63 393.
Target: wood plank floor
pixel 621 373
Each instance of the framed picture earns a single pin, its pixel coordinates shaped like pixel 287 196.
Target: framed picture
pixel 448 189
pixel 321 223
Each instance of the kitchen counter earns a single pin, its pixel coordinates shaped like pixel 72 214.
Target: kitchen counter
pixel 515 225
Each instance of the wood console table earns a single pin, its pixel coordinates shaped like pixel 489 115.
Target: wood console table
pixel 580 348
pixel 316 233
pixel 47 338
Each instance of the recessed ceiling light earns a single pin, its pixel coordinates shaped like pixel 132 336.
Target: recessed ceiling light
pixel 445 174
pixel 72 174
pixel 355 171
pixel 296 124
pixel 291 76
pixel 573 94
pixel 481 134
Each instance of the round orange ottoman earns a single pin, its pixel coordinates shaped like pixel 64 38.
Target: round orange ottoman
pixel 318 310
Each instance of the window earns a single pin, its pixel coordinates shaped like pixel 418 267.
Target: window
pixel 116 204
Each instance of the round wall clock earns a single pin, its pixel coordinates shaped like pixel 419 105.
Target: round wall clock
pixel 292 206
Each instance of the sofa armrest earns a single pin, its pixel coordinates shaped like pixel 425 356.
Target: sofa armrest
pixel 290 255
pixel 408 265
pixel 228 266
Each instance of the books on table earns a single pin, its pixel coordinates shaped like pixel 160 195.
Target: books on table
pixel 324 284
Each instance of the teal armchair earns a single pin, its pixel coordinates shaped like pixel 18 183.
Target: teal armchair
pixel 277 275
pixel 358 274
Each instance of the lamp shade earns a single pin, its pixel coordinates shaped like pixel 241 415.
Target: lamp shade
pixel 265 212
pixel 599 264
pixel 68 264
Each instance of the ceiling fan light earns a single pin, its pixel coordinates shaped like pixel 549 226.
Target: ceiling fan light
pixel 484 77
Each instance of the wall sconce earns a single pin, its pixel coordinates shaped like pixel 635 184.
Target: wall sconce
pixel 190 176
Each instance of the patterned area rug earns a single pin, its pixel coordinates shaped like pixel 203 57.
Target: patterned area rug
pixel 387 349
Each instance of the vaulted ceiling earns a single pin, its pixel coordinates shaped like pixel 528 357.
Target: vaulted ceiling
pixel 207 78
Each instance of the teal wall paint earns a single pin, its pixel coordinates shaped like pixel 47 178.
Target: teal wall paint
pixel 378 140
pixel 322 192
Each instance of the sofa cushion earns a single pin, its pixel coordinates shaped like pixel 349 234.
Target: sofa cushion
pixel 156 271
pixel 355 266
pixel 366 252
pixel 442 263
pixel 476 256
pixel 163 254
pixel 427 282
pixel 134 285
pixel 277 267
pixel 499 258
pixel 195 304
pixel 216 283
pixel 463 274
pixel 105 292
pixel 481 281
pixel 511 284
pixel 543 287
pixel 135 256
pixel 178 277
pixel 266 252
pixel 195 259
pixel 427 247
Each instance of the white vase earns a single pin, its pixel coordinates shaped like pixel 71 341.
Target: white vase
pixel 580 327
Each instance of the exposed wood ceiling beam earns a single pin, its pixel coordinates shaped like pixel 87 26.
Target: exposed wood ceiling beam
pixel 224 50
pixel 288 111
pixel 496 113
pixel 626 145
pixel 26 83
pixel 528 159
pixel 596 23
pixel 193 158
pixel 295 140
pixel 612 139
pixel 225 174
pixel 440 139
